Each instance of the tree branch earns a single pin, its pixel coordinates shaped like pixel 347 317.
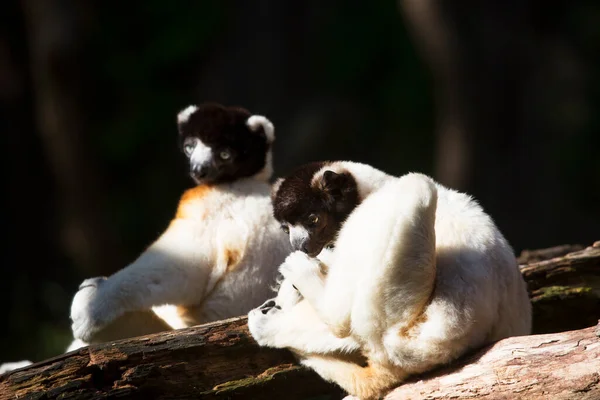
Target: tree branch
pixel 222 361
pixel 554 366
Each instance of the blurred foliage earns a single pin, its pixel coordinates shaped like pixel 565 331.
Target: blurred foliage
pixel 340 80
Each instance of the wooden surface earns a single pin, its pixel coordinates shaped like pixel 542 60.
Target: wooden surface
pixel 222 361
pixel 213 361
pixel 557 366
pixel 565 290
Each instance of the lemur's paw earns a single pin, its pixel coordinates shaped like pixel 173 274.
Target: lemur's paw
pixel 92 282
pixel 261 322
pixel 300 268
pixel 89 310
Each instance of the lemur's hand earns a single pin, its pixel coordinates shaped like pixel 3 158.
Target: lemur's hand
pixel 301 269
pixel 305 273
pixel 91 310
pixel 263 323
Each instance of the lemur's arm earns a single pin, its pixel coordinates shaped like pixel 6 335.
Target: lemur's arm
pixel 298 328
pixel 331 298
pixel 175 269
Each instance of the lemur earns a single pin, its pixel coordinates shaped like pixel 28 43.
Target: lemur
pixel 402 271
pixel 219 255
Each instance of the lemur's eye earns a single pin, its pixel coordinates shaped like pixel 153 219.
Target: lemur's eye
pixel 188 148
pixel 225 155
pixel 329 246
pixel 313 219
pixel 285 229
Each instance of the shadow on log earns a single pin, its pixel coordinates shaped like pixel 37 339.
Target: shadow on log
pixel 222 361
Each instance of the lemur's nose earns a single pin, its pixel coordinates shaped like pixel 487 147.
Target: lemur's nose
pixel 200 171
pixel 299 243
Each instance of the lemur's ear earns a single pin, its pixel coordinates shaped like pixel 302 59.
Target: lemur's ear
pixel 275 187
pixel 331 180
pixel 333 184
pixel 339 190
pixel 184 116
pixel 257 123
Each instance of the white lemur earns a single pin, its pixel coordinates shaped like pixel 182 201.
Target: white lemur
pixel 408 274
pixel 219 255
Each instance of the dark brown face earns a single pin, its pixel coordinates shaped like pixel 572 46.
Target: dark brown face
pixel 311 210
pixel 219 145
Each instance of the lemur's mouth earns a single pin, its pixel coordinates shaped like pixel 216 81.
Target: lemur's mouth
pixel 319 249
pixel 313 253
pixel 313 248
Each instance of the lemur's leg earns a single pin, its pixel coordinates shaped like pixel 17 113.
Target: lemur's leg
pixel 365 383
pixel 297 328
pixel 300 329
pixel 398 277
pixel 173 270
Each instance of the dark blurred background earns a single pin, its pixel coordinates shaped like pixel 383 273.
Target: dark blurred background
pixel 497 98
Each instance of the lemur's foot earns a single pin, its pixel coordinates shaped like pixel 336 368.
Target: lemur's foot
pixel 90 312
pixel 262 322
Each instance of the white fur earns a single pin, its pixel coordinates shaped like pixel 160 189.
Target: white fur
pixel 298 235
pixel 76 344
pixel 257 121
pixel 170 315
pixel 184 114
pixel 188 265
pixel 253 123
pixel 419 275
pixel 9 366
pixel 201 155
pixel 367 178
pixel 276 185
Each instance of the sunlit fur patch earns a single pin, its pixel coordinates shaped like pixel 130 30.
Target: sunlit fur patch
pixel 174 316
pixel 184 114
pixel 257 122
pixel 191 204
pixel 202 154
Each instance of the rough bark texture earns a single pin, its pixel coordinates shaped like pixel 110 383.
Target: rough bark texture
pixel 553 366
pixel 213 361
pixel 221 361
pixel 565 290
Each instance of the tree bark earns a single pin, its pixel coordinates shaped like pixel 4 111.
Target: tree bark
pixel 213 361
pixel 222 361
pixel 565 290
pixel 553 366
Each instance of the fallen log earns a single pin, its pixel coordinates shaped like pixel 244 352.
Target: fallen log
pixel 222 361
pixel 552 366
pixel 564 290
pixel 213 361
